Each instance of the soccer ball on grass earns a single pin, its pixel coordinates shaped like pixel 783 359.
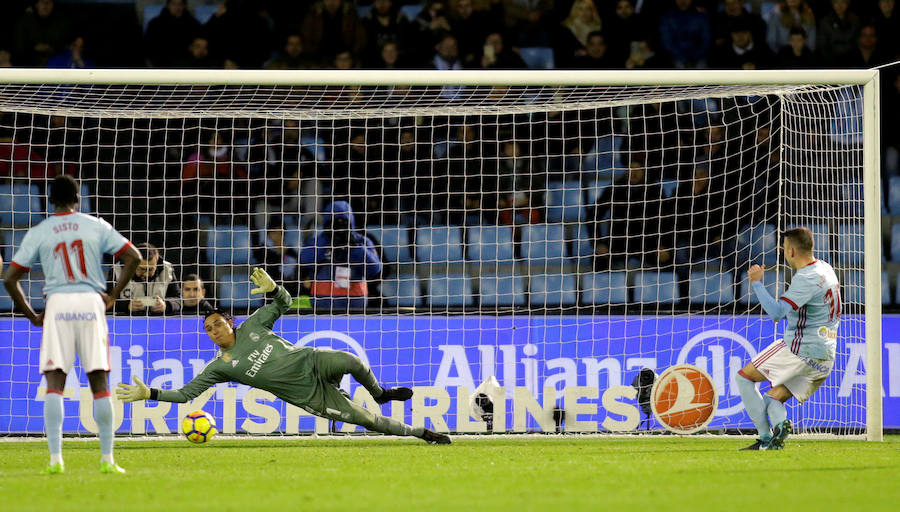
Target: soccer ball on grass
pixel 199 427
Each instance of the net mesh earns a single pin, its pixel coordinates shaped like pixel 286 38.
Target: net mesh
pixel 557 238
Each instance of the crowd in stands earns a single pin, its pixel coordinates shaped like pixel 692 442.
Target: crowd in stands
pixel 466 34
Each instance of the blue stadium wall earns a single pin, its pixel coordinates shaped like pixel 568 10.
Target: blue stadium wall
pixel 586 363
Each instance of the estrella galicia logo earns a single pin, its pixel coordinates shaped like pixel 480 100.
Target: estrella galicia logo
pixel 720 353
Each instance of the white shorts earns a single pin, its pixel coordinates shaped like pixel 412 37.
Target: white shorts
pixel 801 375
pixel 75 323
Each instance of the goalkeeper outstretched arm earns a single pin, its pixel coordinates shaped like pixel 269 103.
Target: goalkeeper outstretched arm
pixel 191 390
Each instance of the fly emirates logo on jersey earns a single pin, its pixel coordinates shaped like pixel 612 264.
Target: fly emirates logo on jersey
pixel 257 359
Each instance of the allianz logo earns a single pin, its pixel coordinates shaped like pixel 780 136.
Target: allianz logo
pixel 719 352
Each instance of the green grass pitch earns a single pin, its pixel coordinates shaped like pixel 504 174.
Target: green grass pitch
pixel 497 474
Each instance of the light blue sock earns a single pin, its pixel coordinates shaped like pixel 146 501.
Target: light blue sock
pixel 53 420
pixel 755 406
pixel 776 410
pixel 103 415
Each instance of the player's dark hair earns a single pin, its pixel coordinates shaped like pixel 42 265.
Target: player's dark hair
pixel 801 239
pixel 797 30
pixel 148 250
pixel 225 314
pixel 192 277
pixel 63 191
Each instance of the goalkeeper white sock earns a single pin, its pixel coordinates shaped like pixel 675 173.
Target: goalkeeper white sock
pixel 53 419
pixel 776 410
pixel 104 415
pixel 755 406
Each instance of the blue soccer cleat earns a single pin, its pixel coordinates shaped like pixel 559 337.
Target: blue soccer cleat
pixel 780 432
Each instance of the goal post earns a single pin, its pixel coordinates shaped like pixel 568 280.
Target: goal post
pixel 872 200
pixel 831 115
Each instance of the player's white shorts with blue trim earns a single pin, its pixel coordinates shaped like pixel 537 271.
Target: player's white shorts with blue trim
pixel 801 375
pixel 75 323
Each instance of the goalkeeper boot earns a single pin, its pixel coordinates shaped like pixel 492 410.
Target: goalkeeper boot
pixel 432 437
pixel 54 469
pixel 106 467
pixel 780 432
pixel 399 394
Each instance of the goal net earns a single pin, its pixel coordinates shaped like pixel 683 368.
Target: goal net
pixel 544 242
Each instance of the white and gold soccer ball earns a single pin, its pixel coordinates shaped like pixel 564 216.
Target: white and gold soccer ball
pixel 199 427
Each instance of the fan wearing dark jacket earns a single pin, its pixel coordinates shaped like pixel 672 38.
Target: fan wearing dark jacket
pixel 339 261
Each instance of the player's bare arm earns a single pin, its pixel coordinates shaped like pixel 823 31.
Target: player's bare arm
pixel 11 282
pixel 130 258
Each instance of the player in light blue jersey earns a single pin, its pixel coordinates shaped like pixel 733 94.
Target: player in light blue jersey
pixel 70 247
pixel 798 364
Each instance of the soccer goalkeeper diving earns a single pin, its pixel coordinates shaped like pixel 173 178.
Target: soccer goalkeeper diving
pixel 303 376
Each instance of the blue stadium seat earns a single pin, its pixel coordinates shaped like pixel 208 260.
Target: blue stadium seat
pixel 201 12
pixel 895 243
pixel 234 293
pixel 87 200
pixel 897 293
pixel 758 244
pixel 594 191
pixel 33 287
pixel 583 245
pixel 748 296
pixel 669 188
pixel 401 291
pixel 411 11
pixel 602 288
pixel 394 242
pixel 605 160
pixel 12 240
pixel 20 205
pixel 450 290
pixel 885 288
pixel 650 287
pixel 853 288
pixel 564 202
pixel 229 245
pixel 6 302
pixel 852 204
pixel 552 291
pixel 439 244
pixel 537 57
pixel 501 290
pixel 894 195
pixel 150 12
pixel 490 244
pixel 543 244
pixel 850 245
pixel 292 237
pixel 821 238
pixel 314 143
pixel 711 288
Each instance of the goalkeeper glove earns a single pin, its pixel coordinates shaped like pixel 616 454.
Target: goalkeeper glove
pixel 261 279
pixel 128 393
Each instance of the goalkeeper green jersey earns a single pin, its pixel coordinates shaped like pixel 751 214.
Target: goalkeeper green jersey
pixel 261 359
